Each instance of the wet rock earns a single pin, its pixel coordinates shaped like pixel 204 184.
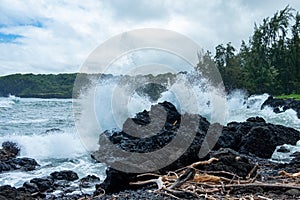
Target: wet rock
pixel 141 194
pixel 166 133
pixel 11 147
pixel 43 184
pixel 89 181
pixel 9 150
pixel 256 119
pixel 26 164
pixel 9 160
pixel 230 161
pixel 281 105
pixel 31 187
pixel 296 159
pixel 256 137
pixel 283 149
pixel 64 175
pixel 7 192
pixel 115 181
pixel 293 192
pixel 5 167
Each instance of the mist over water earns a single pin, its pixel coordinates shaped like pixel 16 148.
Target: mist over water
pixel 110 102
pixel 44 130
pixel 48 129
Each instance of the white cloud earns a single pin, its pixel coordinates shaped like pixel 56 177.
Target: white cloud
pixel 58 35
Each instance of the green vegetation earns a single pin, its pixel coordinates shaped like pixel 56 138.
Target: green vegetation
pixel 290 96
pixel 39 86
pixel 269 62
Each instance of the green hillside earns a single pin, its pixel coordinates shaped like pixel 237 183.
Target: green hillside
pixel 39 86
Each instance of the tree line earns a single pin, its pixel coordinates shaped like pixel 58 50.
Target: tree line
pixel 39 86
pixel 268 62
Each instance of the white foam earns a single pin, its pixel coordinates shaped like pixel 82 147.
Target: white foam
pixel 55 145
pixel 6 103
pixel 285 156
pixel 113 104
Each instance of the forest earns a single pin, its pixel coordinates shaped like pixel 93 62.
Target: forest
pixel 268 63
pixel 38 86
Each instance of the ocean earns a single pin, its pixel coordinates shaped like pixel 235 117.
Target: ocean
pixel 48 129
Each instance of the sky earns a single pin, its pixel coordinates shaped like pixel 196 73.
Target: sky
pixel 57 36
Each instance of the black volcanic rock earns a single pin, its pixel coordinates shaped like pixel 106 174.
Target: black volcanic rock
pixel 167 132
pixel 254 137
pixel 7 192
pixel 281 105
pixel 26 164
pixel 9 150
pixel 9 160
pixel 64 175
pixel 58 185
pixel 43 184
pixel 11 147
pixel 283 149
pixel 230 161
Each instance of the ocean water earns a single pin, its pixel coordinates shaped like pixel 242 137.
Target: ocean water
pixel 44 129
pixel 51 130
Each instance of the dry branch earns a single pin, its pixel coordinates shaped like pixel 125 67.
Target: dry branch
pixel 295 175
pixel 192 182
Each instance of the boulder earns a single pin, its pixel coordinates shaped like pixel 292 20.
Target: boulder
pixel 281 105
pixel 254 137
pixel 8 192
pixel 43 184
pixel 25 164
pixel 64 175
pixel 9 160
pixel 230 161
pixel 165 134
pixel 9 150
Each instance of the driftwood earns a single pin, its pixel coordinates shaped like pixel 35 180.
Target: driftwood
pixel 295 175
pixel 194 183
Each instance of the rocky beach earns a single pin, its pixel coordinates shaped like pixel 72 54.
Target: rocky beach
pixel 239 165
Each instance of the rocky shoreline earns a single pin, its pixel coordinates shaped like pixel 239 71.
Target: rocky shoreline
pixel 237 166
pixel 281 105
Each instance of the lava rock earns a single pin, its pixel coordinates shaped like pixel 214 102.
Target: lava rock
pixel 31 187
pixel 11 147
pixel 64 175
pixel 253 137
pixel 296 159
pixel 89 181
pixel 281 105
pixel 9 160
pixel 115 181
pixel 283 149
pixel 43 184
pixel 7 192
pixel 9 150
pixel 230 161
pixel 26 164
pixel 140 194
pixel 167 132
pixel 293 192
pixel 256 137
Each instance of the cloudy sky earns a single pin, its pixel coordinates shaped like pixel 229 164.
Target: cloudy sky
pixel 55 36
